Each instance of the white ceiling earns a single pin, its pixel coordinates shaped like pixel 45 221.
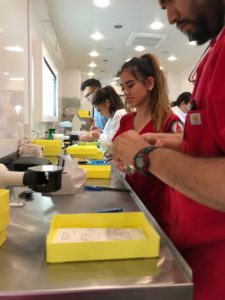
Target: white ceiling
pixel 74 21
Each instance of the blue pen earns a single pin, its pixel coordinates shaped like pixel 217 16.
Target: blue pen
pixel 111 210
pixel 104 188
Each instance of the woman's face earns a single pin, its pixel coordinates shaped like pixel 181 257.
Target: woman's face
pixel 136 92
pixel 103 108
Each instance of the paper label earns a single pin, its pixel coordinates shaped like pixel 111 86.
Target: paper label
pixel 70 235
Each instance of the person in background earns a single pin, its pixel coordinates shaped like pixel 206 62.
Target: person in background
pixel 88 87
pixel 181 106
pixel 197 202
pixel 145 90
pixel 108 103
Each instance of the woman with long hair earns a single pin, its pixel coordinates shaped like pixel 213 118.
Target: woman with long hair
pixel 145 90
pixel 109 104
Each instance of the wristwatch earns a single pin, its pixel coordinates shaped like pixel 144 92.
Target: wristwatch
pixel 141 160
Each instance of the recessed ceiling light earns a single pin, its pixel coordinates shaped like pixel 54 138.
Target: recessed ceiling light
pixel 161 68
pixel 92 65
pixel 139 48
pixel 16 79
pixel 102 3
pixel 172 58
pixel 97 36
pixel 93 53
pixel 193 43
pixel 156 25
pixel 91 74
pixel 14 48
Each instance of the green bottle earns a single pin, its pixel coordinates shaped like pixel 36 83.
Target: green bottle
pixel 50 133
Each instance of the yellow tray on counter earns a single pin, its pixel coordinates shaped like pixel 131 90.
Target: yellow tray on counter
pixel 57 252
pixel 83 113
pixel 50 147
pixel 89 152
pixel 4 214
pixel 2 237
pixel 93 171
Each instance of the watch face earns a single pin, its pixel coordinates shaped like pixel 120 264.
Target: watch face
pixel 139 162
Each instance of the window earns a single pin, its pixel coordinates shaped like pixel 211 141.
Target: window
pixel 45 85
pixel 50 94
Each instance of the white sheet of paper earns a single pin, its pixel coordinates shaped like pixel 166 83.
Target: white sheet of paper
pixel 68 235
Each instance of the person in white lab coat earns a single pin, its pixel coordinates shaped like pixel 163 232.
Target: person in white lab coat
pixel 109 104
pixel 181 106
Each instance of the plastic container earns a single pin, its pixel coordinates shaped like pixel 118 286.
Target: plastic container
pixel 83 113
pixel 97 171
pixel 2 237
pixel 51 147
pixel 4 214
pixel 102 250
pixel 88 152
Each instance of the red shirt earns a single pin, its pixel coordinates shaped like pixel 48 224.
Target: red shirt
pixel 150 189
pixel 199 231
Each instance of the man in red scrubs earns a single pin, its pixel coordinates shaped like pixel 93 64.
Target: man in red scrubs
pixel 197 172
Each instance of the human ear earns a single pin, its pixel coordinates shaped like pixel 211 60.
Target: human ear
pixel 150 82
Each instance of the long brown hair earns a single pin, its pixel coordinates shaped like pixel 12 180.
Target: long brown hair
pixel 142 68
pixel 108 93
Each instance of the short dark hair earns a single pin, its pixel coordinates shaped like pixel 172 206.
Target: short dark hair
pixel 183 97
pixel 92 82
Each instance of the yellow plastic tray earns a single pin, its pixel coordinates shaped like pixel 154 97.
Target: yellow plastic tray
pixel 83 113
pixel 50 147
pixel 4 200
pixel 107 250
pixel 89 152
pixel 4 219
pixel 2 237
pixel 94 171
pixel 87 143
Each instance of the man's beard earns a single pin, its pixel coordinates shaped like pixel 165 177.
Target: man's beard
pixel 204 31
pixel 209 20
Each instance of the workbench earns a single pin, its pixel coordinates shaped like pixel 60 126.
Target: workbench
pixel 26 275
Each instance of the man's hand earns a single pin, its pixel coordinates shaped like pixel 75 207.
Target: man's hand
pixel 126 146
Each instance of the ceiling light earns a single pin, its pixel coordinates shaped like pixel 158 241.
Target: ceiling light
pixel 92 65
pixel 102 3
pixel 161 68
pixel 93 53
pixel 14 48
pixel 16 79
pixel 172 58
pixel 139 48
pixel 193 43
pixel 5 73
pixel 156 25
pixel 18 108
pixel 91 74
pixel 97 36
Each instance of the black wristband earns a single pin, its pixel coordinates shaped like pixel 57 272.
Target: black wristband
pixel 141 160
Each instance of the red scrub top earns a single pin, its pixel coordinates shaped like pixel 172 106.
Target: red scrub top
pixel 199 231
pixel 150 189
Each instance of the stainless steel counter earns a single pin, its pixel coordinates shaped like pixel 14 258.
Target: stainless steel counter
pixel 26 275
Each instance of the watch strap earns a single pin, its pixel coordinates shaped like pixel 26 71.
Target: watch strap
pixel 141 160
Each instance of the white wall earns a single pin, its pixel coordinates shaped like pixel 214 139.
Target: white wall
pixel 178 83
pixel 14 103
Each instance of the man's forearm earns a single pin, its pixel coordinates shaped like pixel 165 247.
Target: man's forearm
pixel 201 179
